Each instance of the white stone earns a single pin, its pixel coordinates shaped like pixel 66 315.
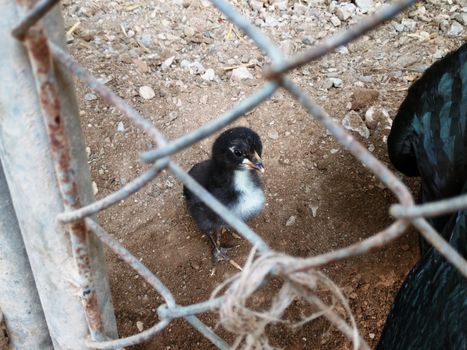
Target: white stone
pixel 364 5
pixel 336 82
pixel 282 5
pixel 462 17
pixel 146 92
pixel 95 190
pixel 188 31
pixel 300 9
pixel 345 11
pixel 353 122
pixel 90 97
pixel 185 64
pixel 241 73
pixel 342 50
pixel 314 210
pixel 409 24
pixel 256 5
pixel 270 21
pixel 167 63
pixel 209 75
pixel 456 29
pixel 336 22
pixel 120 127
pixel 378 117
pixel 273 134
pixel 291 220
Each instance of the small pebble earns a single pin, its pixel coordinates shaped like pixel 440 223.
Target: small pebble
pixel 189 31
pixel 90 97
pixel 120 127
pixel 273 134
pixel 314 210
pixel 353 122
pixel 345 11
pixel 291 221
pixel 209 75
pixel 146 39
pixel 271 22
pixel 336 82
pixel 95 190
pixel 456 29
pixel 140 326
pixel 308 40
pixel 336 22
pixel 300 9
pixel 167 63
pixel 364 5
pixel 241 73
pixel 146 92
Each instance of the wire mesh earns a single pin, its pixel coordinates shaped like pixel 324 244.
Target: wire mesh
pixel 291 269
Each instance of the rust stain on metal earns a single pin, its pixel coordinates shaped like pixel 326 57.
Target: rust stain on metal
pixel 39 53
pixel 80 231
pixel 39 49
pixel 93 311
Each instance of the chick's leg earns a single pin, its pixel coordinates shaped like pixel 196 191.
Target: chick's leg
pixel 220 253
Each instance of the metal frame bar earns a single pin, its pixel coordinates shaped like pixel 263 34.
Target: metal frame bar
pixel 75 215
pixel 22 309
pixel 36 42
pixel 40 117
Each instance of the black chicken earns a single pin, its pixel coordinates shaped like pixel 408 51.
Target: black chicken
pixel 231 175
pixel 430 310
pixel 428 139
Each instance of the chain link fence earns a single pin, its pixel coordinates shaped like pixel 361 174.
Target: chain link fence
pixel 301 276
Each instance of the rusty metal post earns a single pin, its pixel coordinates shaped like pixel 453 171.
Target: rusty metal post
pixel 35 185
pixel 19 302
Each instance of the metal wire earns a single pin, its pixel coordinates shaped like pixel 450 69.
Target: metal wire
pixel 406 212
pixel 158 285
pixel 429 209
pixel 208 129
pixel 339 39
pixel 39 9
pixel 115 197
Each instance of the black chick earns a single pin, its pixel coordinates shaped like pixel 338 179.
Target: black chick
pixel 428 139
pixel 428 135
pixel 231 175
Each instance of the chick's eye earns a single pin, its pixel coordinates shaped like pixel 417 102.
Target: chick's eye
pixel 237 153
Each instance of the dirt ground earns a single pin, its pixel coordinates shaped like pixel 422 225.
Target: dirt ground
pixel 319 197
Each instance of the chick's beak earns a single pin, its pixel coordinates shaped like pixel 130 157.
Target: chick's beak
pixel 258 165
pixel 255 164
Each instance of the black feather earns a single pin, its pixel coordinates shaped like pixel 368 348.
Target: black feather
pixel 428 139
pixel 428 135
pixel 430 310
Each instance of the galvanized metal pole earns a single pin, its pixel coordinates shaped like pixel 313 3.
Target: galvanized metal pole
pixel 19 301
pixel 25 151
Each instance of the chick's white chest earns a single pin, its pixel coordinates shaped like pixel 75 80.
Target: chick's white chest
pixel 250 195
